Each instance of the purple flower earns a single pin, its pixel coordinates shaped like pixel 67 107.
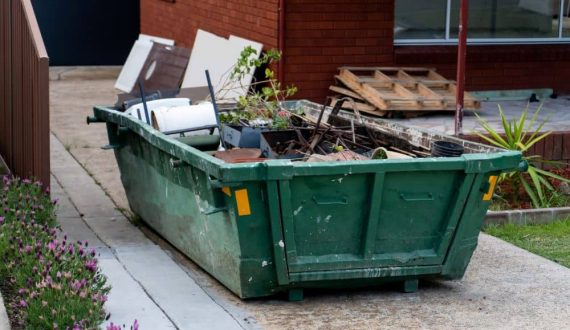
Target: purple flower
pixel 113 327
pixel 27 181
pixel 76 285
pixel 23 303
pixel 51 246
pixel 136 325
pixel 91 265
pixel 2 220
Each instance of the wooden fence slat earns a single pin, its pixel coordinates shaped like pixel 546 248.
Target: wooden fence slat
pixel 24 92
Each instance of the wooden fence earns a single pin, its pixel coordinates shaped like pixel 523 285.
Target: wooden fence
pixel 24 92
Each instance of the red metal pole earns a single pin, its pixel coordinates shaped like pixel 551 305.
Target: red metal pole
pixel 281 41
pixel 461 59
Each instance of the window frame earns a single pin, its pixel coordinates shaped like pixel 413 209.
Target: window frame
pixel 560 39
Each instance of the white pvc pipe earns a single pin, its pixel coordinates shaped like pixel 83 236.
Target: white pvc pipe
pixel 166 119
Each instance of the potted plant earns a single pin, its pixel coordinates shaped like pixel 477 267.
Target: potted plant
pixel 260 109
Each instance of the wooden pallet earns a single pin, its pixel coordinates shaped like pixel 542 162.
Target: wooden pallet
pixel 400 89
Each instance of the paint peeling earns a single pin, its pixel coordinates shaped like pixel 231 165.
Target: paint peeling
pixel 281 244
pixel 298 210
pixel 250 279
pixel 264 263
pixel 328 218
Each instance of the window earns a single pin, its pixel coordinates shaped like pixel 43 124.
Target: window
pixel 490 21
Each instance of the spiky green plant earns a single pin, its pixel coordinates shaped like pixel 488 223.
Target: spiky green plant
pixel 519 135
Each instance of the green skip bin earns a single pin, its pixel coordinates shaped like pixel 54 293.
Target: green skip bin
pixel 262 228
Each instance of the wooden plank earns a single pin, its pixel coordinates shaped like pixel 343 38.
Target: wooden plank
pixel 385 68
pixel 361 107
pixel 346 92
pixel 397 89
pixel 351 80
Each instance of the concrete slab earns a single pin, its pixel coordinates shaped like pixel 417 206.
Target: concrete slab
pixel 117 231
pixel 70 103
pixel 188 306
pixel 84 72
pixel 556 111
pixel 128 300
pixel 4 321
pixel 76 182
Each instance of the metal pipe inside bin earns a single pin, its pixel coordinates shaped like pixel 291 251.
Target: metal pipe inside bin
pixel 141 88
pixel 213 96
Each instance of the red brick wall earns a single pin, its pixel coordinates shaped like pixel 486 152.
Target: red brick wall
pixel 255 20
pixel 321 35
pixel 497 67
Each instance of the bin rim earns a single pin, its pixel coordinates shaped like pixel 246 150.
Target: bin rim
pixel 221 171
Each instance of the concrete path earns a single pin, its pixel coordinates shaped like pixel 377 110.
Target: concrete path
pixel 147 284
pixel 4 322
pixel 504 288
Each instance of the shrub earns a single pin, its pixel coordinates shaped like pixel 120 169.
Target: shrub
pixel 53 283
pixel 519 135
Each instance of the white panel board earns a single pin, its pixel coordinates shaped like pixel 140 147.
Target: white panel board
pixel 218 55
pixel 237 88
pixel 208 53
pixel 135 61
pixel 164 41
pixel 133 66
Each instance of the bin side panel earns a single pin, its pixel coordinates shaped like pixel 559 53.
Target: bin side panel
pixel 466 236
pixel 415 211
pixel 327 219
pixel 175 203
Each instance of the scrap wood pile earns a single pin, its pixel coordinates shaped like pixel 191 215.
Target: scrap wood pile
pixel 389 92
pixel 311 139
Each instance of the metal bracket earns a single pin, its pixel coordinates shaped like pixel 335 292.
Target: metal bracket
pixel 110 146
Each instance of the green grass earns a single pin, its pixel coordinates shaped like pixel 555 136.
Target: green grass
pixel 551 241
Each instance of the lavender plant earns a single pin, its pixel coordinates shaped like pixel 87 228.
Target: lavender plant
pixel 54 283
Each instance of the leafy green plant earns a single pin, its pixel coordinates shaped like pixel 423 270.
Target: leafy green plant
pixel 520 135
pixel 53 283
pixel 262 104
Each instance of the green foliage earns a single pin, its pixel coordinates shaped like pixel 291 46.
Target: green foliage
pixel 265 103
pixel 53 283
pixel 519 135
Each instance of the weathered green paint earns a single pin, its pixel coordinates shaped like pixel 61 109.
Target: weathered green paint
pixel 311 225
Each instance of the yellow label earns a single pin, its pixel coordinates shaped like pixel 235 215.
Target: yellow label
pixel 492 183
pixel 227 191
pixel 242 202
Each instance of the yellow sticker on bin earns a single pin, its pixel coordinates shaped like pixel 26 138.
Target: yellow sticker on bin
pixel 227 191
pixel 242 201
pixel 492 183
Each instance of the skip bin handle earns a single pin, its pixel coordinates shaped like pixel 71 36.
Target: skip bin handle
pixel 417 197
pixel 176 163
pixel 337 200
